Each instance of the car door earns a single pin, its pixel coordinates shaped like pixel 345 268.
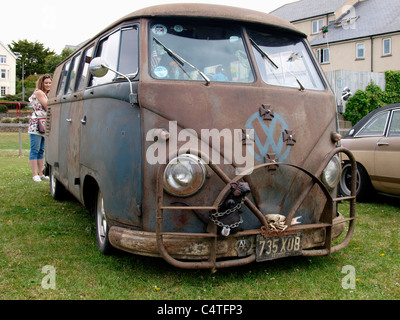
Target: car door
pixel 364 146
pixel 387 158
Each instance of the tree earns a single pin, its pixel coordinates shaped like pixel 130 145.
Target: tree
pixel 32 55
pixel 53 60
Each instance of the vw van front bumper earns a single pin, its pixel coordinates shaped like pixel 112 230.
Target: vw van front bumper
pixel 210 250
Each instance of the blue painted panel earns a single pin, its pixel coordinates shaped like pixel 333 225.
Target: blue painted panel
pixel 111 145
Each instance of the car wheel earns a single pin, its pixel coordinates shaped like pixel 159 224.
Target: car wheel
pixel 364 186
pixel 57 190
pixel 102 228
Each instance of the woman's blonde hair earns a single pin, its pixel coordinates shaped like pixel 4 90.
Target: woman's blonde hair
pixel 40 81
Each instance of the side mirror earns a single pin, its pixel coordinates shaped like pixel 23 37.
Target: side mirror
pixel 98 67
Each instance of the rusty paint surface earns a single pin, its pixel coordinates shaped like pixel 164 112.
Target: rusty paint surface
pixel 111 145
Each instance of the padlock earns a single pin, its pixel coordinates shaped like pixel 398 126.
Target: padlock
pixel 226 231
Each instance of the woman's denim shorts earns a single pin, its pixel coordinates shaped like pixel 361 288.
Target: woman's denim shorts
pixel 37 147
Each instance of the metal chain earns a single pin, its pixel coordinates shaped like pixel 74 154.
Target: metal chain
pixel 214 217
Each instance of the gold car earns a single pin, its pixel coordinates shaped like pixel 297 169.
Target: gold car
pixel 375 144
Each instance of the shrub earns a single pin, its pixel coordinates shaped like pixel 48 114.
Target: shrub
pixel 363 102
pixel 3 108
pixel 7 120
pixel 15 120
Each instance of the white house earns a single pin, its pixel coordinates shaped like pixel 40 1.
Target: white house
pixel 7 70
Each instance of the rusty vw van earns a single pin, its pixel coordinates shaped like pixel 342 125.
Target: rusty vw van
pixel 202 134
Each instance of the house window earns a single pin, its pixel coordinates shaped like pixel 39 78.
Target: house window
pixel 3 59
pixel 360 50
pixel 387 46
pixel 317 25
pixel 3 74
pixel 3 91
pixel 323 55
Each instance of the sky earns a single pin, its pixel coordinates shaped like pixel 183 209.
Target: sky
pixel 58 23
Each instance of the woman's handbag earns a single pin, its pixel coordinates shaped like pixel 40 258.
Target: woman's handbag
pixel 42 125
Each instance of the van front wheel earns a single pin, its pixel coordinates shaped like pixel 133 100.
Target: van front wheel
pixel 102 228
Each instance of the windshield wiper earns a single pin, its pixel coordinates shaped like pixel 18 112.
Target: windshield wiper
pixel 293 57
pixel 181 62
pixel 298 81
pixel 264 54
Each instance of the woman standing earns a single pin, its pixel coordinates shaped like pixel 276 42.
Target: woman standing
pixel 39 104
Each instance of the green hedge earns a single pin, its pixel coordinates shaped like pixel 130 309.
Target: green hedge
pixel 363 102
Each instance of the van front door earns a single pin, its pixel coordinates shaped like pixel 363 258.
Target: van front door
pixel 111 138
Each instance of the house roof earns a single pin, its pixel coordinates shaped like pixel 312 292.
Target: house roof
pixel 8 49
pixel 372 17
pixel 305 9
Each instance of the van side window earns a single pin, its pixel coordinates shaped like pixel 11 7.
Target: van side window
pixel 108 50
pixel 120 51
pixel 81 78
pixel 129 54
pixel 72 74
pixel 63 77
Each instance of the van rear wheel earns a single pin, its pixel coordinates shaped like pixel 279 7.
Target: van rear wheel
pixel 103 243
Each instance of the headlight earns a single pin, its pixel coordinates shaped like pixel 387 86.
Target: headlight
pixel 331 174
pixel 184 175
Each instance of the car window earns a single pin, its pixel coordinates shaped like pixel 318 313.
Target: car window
pixel 182 50
pixel 394 130
pixel 375 127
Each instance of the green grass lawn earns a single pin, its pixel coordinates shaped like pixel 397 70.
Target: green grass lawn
pixel 37 231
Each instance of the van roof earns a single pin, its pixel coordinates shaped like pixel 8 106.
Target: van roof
pixel 197 10
pixel 211 11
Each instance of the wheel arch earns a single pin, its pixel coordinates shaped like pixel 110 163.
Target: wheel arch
pixel 89 193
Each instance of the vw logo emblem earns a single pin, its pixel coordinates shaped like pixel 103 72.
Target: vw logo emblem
pixel 242 246
pixel 268 137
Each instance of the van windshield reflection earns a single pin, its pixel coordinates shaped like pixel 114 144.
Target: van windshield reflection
pixel 215 52
pixel 283 60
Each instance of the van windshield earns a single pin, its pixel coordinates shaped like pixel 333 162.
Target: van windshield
pixel 283 60
pixel 215 50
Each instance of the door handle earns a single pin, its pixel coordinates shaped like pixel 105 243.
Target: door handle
pixel 68 120
pixel 83 120
pixel 379 144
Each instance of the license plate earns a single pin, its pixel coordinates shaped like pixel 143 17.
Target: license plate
pixel 279 246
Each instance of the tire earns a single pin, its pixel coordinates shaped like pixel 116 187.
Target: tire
pixel 364 187
pixel 102 228
pixel 57 190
